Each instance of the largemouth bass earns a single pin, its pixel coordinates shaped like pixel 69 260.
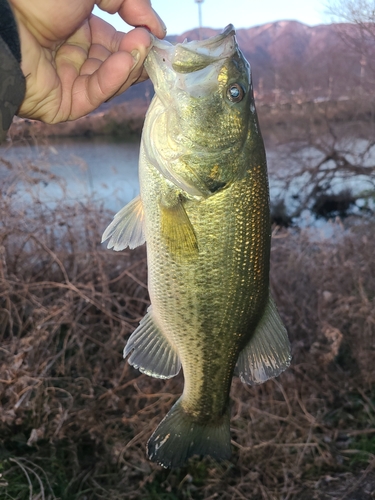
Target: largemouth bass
pixel 203 210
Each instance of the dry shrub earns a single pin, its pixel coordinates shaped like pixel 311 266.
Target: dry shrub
pixel 75 418
pixel 325 286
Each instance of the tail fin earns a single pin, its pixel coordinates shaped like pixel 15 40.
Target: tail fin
pixel 179 437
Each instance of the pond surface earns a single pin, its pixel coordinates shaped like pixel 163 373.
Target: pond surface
pixel 106 172
pixel 98 170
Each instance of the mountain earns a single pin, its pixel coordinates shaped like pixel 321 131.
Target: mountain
pixel 295 66
pixel 290 60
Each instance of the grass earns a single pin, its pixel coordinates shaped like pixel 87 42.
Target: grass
pixel 75 418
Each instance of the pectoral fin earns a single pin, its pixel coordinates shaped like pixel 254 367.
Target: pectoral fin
pixel 178 231
pixel 152 354
pixel 127 227
pixel 268 352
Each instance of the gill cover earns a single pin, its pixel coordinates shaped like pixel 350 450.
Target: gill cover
pixel 196 120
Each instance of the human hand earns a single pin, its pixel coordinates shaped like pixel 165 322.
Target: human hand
pixel 74 61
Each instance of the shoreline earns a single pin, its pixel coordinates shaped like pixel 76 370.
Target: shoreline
pixel 280 122
pixel 123 120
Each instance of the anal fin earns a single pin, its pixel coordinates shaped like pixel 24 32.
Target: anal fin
pixel 127 227
pixel 267 354
pixel 152 354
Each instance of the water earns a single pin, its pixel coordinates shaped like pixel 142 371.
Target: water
pixel 106 172
pixel 97 170
pixel 300 174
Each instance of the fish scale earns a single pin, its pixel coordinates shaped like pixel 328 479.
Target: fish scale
pixel 197 315
pixel 204 212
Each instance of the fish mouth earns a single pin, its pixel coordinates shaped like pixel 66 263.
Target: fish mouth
pixel 166 62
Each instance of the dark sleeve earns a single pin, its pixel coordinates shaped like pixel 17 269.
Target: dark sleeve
pixel 12 81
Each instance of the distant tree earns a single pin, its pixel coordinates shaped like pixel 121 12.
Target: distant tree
pixel 325 161
pixel 359 12
pixel 358 33
pixel 327 173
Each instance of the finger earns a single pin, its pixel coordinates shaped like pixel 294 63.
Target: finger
pixel 138 39
pixel 104 75
pixel 99 52
pixel 89 91
pixel 136 13
pixel 91 65
pixel 136 77
pixel 137 42
pixel 104 34
pixel 97 55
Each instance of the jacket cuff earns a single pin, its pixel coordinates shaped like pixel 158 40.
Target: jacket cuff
pixel 12 81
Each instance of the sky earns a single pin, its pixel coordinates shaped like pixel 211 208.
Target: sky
pixel 182 15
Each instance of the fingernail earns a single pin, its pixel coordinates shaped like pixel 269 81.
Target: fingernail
pixel 163 26
pixel 136 55
pixel 161 22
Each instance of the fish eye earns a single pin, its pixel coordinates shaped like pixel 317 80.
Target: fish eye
pixel 235 92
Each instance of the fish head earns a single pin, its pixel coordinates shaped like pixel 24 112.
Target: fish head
pixel 202 114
